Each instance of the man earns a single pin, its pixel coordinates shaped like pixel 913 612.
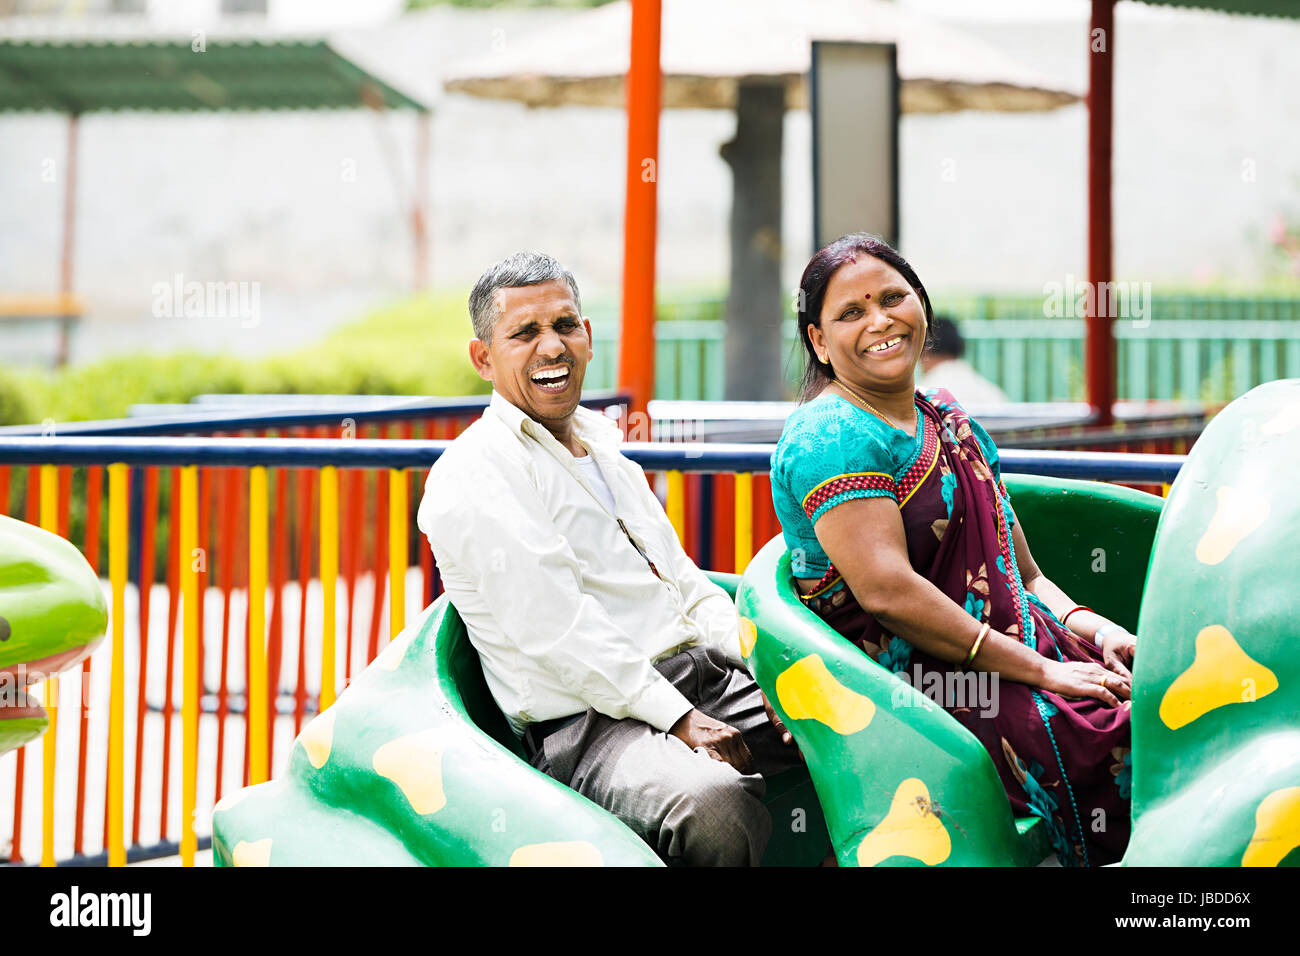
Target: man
pixel 942 366
pixel 607 649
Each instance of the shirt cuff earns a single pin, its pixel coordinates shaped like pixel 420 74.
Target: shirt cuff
pixel 661 705
pixel 729 643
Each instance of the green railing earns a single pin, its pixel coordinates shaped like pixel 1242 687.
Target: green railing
pixel 1199 348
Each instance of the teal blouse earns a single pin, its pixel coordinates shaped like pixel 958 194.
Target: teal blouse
pixel 830 438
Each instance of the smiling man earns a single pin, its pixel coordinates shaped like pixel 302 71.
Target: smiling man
pixel 610 653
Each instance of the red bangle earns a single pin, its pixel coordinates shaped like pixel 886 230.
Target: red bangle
pixel 1077 607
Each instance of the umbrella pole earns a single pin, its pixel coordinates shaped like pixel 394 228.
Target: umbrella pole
pixel 1100 344
pixel 636 364
pixel 69 240
pixel 420 202
pixel 753 330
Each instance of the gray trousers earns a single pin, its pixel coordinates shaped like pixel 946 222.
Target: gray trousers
pixel 689 807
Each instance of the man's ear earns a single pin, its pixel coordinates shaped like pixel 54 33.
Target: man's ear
pixel 586 322
pixel 482 359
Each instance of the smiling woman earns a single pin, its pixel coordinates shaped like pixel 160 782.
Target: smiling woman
pixel 902 537
pixel 532 342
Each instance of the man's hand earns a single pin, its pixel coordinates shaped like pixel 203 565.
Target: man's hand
pixel 720 741
pixel 786 737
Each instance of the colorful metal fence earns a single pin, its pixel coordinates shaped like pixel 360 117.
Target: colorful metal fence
pixel 293 527
pixel 1194 350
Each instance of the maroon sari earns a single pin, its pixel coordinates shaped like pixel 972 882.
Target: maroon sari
pixel 1066 761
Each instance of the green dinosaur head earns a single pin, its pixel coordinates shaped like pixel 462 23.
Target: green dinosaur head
pixel 52 615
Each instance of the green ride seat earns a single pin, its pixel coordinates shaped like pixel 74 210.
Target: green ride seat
pixel 1216 687
pixel 415 764
pixel 900 780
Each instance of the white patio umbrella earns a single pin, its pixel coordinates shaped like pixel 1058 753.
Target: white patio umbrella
pixel 753 56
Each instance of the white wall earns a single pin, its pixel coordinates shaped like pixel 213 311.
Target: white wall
pixel 988 200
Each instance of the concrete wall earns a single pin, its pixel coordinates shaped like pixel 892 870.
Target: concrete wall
pixel 312 206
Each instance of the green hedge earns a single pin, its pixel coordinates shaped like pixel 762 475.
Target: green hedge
pixel 413 347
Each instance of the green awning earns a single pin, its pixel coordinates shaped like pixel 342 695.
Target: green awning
pixel 168 73
pixel 1254 8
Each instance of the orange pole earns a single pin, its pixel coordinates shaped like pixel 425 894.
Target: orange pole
pixel 636 363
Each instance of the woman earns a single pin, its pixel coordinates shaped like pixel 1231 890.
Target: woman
pixel 903 539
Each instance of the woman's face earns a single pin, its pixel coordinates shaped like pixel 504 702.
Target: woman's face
pixel 872 326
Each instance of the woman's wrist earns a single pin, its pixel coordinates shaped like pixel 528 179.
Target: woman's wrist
pixel 1109 629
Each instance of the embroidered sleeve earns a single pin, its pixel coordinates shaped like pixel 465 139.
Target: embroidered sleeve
pixel 827 459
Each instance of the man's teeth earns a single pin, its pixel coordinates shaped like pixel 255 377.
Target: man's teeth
pixel 554 379
pixel 881 346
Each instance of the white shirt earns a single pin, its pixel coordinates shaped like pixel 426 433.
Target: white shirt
pixel 967 385
pixel 597 481
pixel 563 609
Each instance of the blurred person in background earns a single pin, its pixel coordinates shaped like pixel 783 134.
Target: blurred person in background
pixel 942 366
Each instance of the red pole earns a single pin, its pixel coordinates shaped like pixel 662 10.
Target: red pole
pixel 90 548
pixel 306 497
pixel 148 551
pixel 227 508
pixel 636 363
pixel 1100 348
pixel 174 558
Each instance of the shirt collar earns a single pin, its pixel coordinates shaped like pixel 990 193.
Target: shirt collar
pixel 591 427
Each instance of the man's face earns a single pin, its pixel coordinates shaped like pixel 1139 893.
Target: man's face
pixel 539 351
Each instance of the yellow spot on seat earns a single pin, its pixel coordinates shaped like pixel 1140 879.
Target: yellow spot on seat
pixel 748 636
pixel 572 853
pixel 256 853
pixel 1237 513
pixel 1221 673
pixel 317 738
pixel 391 656
pixel 414 764
pixel 808 691
pixel 911 828
pixel 1277 828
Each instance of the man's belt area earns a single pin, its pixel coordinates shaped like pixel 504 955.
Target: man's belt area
pixel 535 734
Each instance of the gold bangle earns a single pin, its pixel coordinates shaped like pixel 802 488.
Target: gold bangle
pixel 975 648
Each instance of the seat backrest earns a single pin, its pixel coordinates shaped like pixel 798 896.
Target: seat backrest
pixel 1093 540
pixel 1216 682
pixel 461 661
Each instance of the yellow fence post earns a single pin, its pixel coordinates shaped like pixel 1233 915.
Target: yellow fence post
pixel 189 658
pixel 255 709
pixel 114 839
pixel 50 522
pixel 676 506
pixel 329 573
pixel 744 520
pixel 396 551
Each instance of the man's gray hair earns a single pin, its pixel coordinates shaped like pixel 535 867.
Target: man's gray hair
pixel 520 269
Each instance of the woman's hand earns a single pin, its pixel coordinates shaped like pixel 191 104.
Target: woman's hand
pixel 1117 648
pixel 1080 679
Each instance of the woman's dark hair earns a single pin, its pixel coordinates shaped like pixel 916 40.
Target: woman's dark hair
pixel 812 293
